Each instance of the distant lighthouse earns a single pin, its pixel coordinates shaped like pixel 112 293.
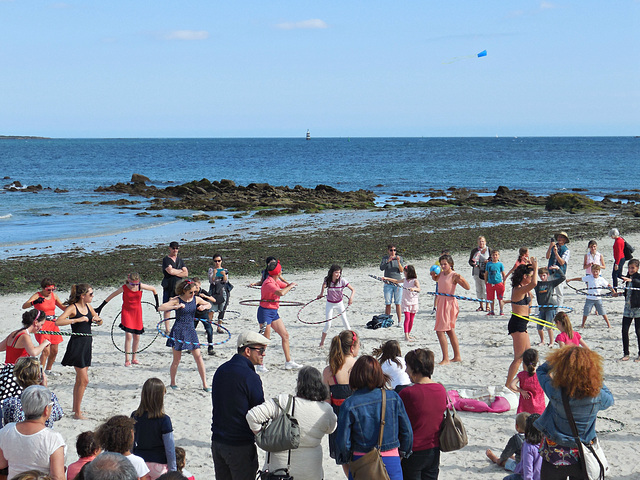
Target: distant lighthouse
pixel 308 135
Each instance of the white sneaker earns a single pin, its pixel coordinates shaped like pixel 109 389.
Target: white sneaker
pixel 291 365
pixel 261 369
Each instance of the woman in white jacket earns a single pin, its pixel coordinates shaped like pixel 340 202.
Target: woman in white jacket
pixel 315 417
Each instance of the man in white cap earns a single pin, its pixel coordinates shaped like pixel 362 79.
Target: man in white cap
pixel 236 389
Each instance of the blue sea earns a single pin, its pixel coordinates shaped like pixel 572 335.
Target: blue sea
pixel 33 223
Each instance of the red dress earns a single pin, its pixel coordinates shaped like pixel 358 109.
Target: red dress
pixel 535 402
pixel 131 316
pixel 48 307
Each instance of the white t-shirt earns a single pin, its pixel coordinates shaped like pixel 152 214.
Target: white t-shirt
pixel 398 375
pixel 594 286
pixel 139 464
pixel 29 452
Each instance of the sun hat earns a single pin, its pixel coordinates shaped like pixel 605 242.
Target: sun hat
pixel 246 339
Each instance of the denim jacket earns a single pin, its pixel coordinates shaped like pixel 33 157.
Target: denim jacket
pixel 359 424
pixel 553 422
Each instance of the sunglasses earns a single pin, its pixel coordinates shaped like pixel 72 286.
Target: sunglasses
pixel 90 294
pixel 217 261
pixel 260 350
pixel 50 289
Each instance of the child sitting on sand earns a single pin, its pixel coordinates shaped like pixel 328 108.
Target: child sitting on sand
pixel 595 285
pixel 393 365
pixel 181 459
pixel 544 296
pixel 530 460
pixel 567 335
pixel 116 435
pixel 513 447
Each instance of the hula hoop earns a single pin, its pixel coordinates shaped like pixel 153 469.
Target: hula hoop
pixel 323 321
pixel 256 303
pixel 613 430
pixel 113 340
pixel 585 291
pixel 256 287
pixel 433 293
pixel 198 344
pixel 387 282
pixel 471 299
pixel 49 332
pixel 537 320
pixel 568 309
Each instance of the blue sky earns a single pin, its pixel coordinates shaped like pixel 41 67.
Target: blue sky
pixel 160 68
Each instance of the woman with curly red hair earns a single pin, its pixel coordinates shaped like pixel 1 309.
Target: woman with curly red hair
pixel 578 373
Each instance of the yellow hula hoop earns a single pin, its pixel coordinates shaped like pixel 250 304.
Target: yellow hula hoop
pixel 540 321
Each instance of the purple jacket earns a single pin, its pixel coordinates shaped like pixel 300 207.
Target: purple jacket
pixel 530 463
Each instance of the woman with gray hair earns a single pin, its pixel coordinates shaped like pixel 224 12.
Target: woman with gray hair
pixel 618 256
pixel 29 445
pixel 28 371
pixel 315 417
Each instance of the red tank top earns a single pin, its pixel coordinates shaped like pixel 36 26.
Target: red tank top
pixel 14 353
pixel 48 306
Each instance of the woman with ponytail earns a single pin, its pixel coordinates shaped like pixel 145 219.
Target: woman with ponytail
pixel 18 344
pixel 342 355
pixel 80 315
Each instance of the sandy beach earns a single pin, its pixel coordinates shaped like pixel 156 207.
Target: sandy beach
pixel 486 350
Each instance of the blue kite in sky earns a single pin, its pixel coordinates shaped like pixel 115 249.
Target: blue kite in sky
pixel 466 57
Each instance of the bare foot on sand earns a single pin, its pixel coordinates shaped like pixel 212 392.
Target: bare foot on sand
pixel 444 362
pixel 456 359
pixel 79 416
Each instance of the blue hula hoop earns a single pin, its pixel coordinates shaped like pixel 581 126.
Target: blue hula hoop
pixel 195 344
pixel 568 309
pixel 481 300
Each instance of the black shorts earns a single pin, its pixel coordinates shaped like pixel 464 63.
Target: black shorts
pixel 517 324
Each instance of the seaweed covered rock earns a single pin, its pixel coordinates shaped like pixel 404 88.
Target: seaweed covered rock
pixel 571 202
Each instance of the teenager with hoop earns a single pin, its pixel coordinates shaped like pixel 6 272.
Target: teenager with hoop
pixel 131 314
pixel 183 335
pixel 46 300
pixel 271 291
pixel 80 315
pixel 335 284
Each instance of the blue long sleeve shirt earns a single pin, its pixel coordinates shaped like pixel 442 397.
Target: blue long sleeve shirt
pixel 236 389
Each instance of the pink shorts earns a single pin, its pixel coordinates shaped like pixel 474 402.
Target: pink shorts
pixel 496 290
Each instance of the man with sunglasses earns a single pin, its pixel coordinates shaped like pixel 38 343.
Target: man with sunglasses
pixel 236 389
pixel 391 265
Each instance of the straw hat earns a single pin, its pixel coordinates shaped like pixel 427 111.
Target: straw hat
pixel 564 234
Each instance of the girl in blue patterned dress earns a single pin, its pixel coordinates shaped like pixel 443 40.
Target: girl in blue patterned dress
pixel 183 335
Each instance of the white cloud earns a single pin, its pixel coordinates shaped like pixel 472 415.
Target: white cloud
pixel 304 24
pixel 60 5
pixel 547 6
pixel 187 35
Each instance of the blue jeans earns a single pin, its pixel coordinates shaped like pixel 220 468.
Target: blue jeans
pixel 392 293
pixel 422 465
pixel 617 273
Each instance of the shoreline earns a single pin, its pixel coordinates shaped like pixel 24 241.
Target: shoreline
pixel 315 241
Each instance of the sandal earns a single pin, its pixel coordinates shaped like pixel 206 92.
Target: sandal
pixel 480 309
